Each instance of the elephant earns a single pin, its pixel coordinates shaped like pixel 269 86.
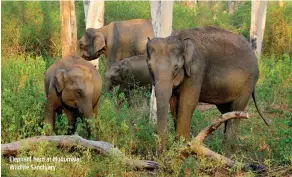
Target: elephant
pixel 128 73
pixel 116 40
pixel 207 64
pixel 72 84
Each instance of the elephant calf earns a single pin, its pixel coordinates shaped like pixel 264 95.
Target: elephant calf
pixel 128 73
pixel 72 84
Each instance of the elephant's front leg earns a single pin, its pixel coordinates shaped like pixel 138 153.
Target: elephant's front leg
pixel 188 100
pixel 173 102
pixel 72 118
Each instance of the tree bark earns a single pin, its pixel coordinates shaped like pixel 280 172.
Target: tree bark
pixel 230 7
pixel 94 19
pixel 68 27
pixel 101 147
pixel 161 13
pixel 257 28
pixel 281 4
pixel 86 4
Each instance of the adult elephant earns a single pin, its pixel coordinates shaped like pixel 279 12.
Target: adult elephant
pixel 209 65
pixel 116 40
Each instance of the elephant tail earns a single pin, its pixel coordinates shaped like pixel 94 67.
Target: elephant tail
pixel 267 121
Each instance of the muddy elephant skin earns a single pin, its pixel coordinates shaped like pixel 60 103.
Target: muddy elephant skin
pixel 116 40
pixel 128 73
pixel 207 64
pixel 72 84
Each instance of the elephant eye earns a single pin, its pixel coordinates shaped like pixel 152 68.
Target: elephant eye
pixel 79 91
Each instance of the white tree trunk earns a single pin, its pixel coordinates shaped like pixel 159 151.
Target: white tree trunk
pixel 257 27
pixel 94 18
pixel 68 27
pixel 86 7
pixel 281 4
pixel 230 7
pixel 161 13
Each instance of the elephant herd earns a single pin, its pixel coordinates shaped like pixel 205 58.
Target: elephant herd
pixel 207 64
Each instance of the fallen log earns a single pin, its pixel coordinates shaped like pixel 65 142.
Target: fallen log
pixel 101 147
pixel 196 146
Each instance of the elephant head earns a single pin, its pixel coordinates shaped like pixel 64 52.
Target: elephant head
pixel 76 88
pixel 92 44
pixel 115 75
pixel 169 61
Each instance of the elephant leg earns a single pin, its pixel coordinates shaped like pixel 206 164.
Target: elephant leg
pixel 232 127
pixel 188 100
pixel 173 102
pixel 95 109
pixel 50 117
pixel 72 118
pixel 224 108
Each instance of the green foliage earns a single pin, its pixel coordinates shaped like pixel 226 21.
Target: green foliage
pixel 278 34
pixel 33 29
pixel 22 97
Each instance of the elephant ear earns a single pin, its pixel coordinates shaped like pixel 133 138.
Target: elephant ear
pixel 124 69
pixel 60 80
pixel 99 41
pixel 188 55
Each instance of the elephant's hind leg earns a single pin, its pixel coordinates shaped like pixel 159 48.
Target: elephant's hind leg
pixel 232 127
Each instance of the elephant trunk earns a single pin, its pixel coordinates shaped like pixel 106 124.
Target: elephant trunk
pixel 86 109
pixel 163 93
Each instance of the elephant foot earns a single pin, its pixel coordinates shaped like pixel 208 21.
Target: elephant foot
pixel 231 147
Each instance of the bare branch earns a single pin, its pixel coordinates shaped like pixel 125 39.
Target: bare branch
pixel 101 147
pixel 227 116
pixel 196 147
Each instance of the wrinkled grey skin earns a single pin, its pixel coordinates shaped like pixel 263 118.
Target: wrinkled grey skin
pixel 209 65
pixel 73 85
pixel 128 73
pixel 116 41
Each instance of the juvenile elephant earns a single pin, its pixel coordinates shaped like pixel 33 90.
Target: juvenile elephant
pixel 209 65
pixel 116 40
pixel 72 84
pixel 128 73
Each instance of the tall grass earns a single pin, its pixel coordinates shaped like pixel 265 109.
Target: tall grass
pixel 31 43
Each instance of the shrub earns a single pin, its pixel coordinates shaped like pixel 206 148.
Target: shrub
pixel 22 98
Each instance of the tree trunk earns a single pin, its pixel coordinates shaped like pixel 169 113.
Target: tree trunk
pixel 68 27
pixel 161 13
pixel 230 7
pixel 86 4
pixel 257 28
pixel 281 4
pixel 94 18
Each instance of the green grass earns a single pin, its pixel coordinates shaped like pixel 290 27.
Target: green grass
pixel 31 43
pixel 130 129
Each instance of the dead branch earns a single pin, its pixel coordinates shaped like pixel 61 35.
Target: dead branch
pixel 227 116
pixel 196 147
pixel 101 147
